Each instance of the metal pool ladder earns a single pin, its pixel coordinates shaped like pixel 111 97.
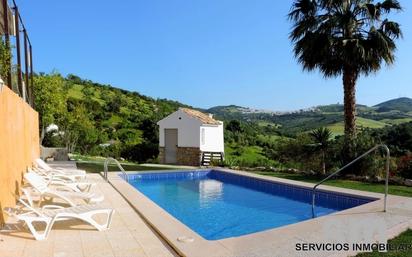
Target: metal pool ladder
pixel 385 147
pixel 106 168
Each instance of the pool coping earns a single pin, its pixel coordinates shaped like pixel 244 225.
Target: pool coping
pixel 268 241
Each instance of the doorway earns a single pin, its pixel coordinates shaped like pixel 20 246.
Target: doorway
pixel 170 146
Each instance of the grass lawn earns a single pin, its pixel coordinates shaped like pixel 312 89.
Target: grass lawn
pixel 96 167
pixel 404 239
pixel 357 185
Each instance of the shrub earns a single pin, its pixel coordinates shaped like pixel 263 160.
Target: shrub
pixel 230 162
pixel 405 166
pixel 140 152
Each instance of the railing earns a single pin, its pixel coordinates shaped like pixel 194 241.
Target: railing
pixel 351 163
pixel 12 26
pixel 208 157
pixel 106 168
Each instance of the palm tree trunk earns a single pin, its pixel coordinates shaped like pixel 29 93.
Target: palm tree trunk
pixel 349 85
pixel 323 163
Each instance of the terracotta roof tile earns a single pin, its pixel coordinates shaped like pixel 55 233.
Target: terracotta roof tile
pixel 203 117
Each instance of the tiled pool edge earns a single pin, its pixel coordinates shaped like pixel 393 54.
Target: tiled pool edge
pixel 329 189
pixel 323 198
pixel 170 228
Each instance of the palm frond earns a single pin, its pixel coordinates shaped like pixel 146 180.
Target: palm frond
pixel 302 9
pixel 391 29
pixel 330 35
pixel 389 5
pixel 321 136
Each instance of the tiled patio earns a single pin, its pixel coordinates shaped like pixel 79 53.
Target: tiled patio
pixel 129 235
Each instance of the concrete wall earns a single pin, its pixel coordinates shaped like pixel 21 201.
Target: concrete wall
pixel 19 144
pixel 211 138
pixel 187 126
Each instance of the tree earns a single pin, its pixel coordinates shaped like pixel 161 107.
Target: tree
pixel 322 136
pixel 344 37
pixel 5 56
pixel 234 126
pixel 50 100
pixel 77 130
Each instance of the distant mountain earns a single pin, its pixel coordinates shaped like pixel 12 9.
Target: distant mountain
pixel 339 108
pixel 226 109
pixel 392 112
pixel 403 104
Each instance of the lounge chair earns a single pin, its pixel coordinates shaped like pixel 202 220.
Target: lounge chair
pixel 61 180
pixel 78 174
pixel 54 175
pixel 63 192
pixel 50 214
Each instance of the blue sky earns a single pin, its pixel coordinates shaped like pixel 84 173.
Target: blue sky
pixel 202 53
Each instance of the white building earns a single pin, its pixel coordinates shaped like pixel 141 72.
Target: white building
pixel 187 137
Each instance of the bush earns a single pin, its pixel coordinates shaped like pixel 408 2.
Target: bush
pixel 51 139
pixel 405 166
pixel 299 153
pixel 143 152
pixel 109 151
pixel 371 165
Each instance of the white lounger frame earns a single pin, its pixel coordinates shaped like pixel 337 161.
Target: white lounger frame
pixel 68 214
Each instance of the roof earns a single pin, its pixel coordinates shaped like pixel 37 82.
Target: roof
pixel 203 117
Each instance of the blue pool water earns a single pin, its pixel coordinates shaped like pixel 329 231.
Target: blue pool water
pixel 219 205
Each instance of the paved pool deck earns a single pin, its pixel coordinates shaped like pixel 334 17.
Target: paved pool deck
pixel 141 228
pixel 129 235
pixel 363 224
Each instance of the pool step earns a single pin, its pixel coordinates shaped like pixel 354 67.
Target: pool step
pixel 208 157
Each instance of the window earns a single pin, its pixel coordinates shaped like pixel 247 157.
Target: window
pixel 202 136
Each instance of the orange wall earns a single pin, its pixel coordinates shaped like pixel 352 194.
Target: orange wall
pixel 19 144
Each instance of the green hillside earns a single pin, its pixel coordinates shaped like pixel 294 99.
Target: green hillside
pixel 402 104
pixel 333 108
pixel 389 113
pixel 338 128
pixel 102 120
pixel 396 121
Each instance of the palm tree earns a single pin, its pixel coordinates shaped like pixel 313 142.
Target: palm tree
pixel 321 136
pixel 345 37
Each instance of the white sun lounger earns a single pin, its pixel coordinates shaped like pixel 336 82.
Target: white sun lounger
pixel 50 214
pixel 62 180
pixel 63 192
pixel 54 175
pixel 78 174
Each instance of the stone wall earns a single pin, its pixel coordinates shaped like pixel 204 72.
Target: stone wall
pixel 185 156
pixel 57 154
pixel 188 156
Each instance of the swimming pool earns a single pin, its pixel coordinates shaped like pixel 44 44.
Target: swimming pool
pixel 217 204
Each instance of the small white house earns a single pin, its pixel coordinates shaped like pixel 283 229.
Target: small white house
pixel 190 137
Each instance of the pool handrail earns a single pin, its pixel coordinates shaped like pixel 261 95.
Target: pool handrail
pixel 388 156
pixel 106 168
